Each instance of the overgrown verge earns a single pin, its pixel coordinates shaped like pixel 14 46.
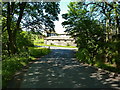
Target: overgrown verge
pixel 84 56
pixel 15 62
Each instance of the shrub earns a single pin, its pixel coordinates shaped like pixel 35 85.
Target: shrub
pixel 51 44
pixel 68 44
pixel 24 40
pixel 83 55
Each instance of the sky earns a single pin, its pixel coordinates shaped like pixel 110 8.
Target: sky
pixel 63 6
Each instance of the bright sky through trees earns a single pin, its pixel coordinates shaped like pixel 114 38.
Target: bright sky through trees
pixel 63 6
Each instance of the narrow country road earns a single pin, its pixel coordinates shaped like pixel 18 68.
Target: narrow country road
pixel 60 69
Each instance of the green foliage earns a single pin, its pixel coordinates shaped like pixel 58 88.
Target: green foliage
pixel 39 18
pixel 5 44
pixel 107 67
pixel 68 44
pixel 83 55
pixel 15 17
pixel 51 44
pixel 24 40
pixel 39 41
pixel 15 62
pixel 16 42
pixel 93 27
pixel 38 51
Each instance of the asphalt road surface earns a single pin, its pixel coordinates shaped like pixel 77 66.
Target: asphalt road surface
pixel 60 69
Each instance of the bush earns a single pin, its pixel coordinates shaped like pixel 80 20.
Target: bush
pixel 51 44
pixel 24 40
pixel 68 44
pixel 83 55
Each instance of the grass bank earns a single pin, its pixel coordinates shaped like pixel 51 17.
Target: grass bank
pixel 106 66
pixel 10 65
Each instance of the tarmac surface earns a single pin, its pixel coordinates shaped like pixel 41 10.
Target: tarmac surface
pixel 60 69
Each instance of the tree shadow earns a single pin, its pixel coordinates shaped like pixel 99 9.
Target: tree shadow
pixel 60 69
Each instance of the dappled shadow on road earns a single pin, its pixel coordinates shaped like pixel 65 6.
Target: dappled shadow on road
pixel 59 69
pixel 107 77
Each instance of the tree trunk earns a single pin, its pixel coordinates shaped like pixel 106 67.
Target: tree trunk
pixel 10 35
pixel 22 7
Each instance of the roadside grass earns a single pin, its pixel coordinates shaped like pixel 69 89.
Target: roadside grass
pixel 38 51
pixel 106 66
pixel 14 63
pixel 41 43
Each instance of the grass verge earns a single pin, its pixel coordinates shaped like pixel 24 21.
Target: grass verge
pixel 106 66
pixel 12 64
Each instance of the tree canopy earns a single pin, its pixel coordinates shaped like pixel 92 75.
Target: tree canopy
pixel 96 29
pixel 35 16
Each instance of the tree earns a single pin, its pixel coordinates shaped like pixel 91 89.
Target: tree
pixel 12 33
pixel 92 24
pixel 30 15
